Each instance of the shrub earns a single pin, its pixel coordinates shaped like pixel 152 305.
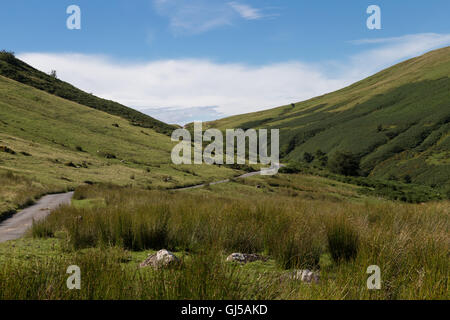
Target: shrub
pixel 407 179
pixel 308 157
pixel 344 163
pixel 290 169
pixel 321 157
pixel 70 164
pixel 7 150
pixel 107 155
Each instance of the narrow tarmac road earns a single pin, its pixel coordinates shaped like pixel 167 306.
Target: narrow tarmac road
pixel 16 226
pixel 247 175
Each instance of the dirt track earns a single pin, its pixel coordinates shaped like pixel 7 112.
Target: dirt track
pixel 16 226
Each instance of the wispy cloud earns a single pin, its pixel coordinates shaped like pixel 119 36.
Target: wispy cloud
pixel 247 12
pixel 186 87
pixel 197 16
pixel 388 51
pixel 420 37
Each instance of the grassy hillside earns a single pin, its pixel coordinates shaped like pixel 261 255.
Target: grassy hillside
pixel 20 71
pixel 396 122
pixel 51 144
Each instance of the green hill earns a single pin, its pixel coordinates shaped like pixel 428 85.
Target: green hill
pixel 50 144
pixel 18 70
pixel 396 122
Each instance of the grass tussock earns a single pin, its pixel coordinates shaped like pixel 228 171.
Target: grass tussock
pixel 342 239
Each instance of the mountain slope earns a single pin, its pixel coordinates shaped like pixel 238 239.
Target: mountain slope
pixel 51 144
pixel 396 121
pixel 18 70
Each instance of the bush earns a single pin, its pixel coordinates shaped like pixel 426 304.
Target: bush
pixel 321 157
pixel 344 163
pixel 308 157
pixel 7 150
pixel 407 179
pixel 290 169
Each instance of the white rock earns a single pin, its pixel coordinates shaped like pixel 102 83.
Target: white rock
pixel 245 257
pixel 162 258
pixel 306 275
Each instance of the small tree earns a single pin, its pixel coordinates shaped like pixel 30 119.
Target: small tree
pixel 8 56
pixel 407 179
pixel 308 157
pixel 344 163
pixel 321 157
pixel 53 74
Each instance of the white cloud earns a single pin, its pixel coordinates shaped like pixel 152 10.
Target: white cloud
pixel 194 84
pixel 197 16
pixel 183 116
pixel 394 50
pixel 246 12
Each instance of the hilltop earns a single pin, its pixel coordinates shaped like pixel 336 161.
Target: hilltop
pixel 15 69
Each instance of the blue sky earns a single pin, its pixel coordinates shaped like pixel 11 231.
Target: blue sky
pixel 181 60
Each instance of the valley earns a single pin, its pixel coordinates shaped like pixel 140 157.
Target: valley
pixel 365 181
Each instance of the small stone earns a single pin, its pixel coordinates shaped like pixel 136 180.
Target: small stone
pixel 245 257
pixel 306 276
pixel 161 259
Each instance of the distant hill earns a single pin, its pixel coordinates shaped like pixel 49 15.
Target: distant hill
pixel 396 122
pixel 15 69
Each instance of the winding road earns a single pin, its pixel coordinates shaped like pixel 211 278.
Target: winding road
pixel 16 226
pixel 247 175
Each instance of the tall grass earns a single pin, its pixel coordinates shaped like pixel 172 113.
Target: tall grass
pixel 18 192
pixel 104 275
pixel 410 243
pixel 343 240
